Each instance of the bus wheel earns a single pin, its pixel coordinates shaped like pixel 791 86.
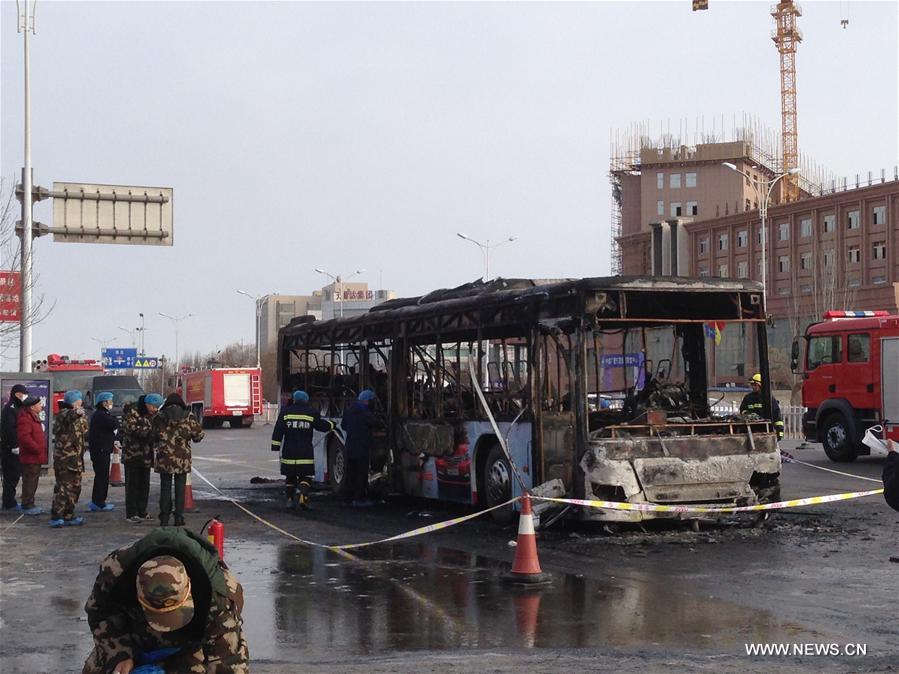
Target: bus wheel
pixel 336 465
pixel 837 442
pixel 497 480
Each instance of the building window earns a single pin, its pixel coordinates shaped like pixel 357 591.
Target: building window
pixel 676 210
pixel 880 250
pixel 855 254
pixel 805 289
pixel 879 280
pixel 783 231
pixel 722 270
pixel 880 214
pixel 703 271
pixel 806 226
pixel 853 220
pixel 758 236
pixel 661 206
pixel 805 261
pixel 742 238
pixel 742 269
pixel 828 258
pixel 748 205
pixel 783 263
pixel 692 208
pixel 830 223
pixel 854 282
pixel 690 179
pixel 674 181
pixel 703 245
pixel 722 242
pixel 660 180
pixel 758 268
pixel 783 290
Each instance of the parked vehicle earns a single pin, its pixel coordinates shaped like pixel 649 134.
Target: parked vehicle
pixel 216 395
pixel 124 388
pixel 67 374
pixel 850 380
pixel 599 387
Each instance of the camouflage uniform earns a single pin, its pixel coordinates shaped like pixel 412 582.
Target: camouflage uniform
pixel 69 432
pixel 137 437
pixel 211 641
pixel 175 429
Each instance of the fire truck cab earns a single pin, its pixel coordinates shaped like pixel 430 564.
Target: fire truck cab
pixel 850 380
pixel 68 374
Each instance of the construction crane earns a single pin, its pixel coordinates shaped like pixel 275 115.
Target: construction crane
pixel 786 37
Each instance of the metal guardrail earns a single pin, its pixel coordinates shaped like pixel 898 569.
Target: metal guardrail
pixel 792 416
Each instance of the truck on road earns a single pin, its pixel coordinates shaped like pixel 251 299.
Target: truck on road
pixel 68 374
pixel 850 380
pixel 216 395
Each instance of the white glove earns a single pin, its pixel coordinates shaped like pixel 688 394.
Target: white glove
pixel 15 450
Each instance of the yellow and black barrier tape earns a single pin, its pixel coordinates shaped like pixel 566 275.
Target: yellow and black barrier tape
pixel 660 508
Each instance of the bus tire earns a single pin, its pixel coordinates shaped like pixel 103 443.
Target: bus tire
pixel 336 465
pixel 497 480
pixel 837 440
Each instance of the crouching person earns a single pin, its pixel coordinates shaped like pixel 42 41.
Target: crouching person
pixel 69 432
pixel 166 603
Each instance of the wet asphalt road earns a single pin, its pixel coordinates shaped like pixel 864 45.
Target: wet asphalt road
pixel 636 601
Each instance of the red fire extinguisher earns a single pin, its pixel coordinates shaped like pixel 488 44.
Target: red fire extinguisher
pixel 216 536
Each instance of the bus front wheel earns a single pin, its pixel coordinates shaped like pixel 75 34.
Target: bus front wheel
pixel 837 441
pixel 336 465
pixel 497 481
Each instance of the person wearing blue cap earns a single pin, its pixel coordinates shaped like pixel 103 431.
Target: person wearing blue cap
pixel 137 454
pixel 101 438
pixel 358 423
pixel 69 442
pixel 293 437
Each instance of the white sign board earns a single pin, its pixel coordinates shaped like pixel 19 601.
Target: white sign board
pixel 127 214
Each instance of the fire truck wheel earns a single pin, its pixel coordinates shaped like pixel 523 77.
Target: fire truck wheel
pixel 497 483
pixel 838 444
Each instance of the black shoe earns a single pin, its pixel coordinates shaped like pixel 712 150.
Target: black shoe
pixel 179 521
pixel 163 521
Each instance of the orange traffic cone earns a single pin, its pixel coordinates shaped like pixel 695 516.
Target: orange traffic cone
pixel 526 567
pixel 527 608
pixel 115 468
pixel 189 506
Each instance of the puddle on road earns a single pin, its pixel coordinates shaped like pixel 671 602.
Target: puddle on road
pixel 424 597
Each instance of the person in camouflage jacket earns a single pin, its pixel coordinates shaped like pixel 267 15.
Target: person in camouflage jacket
pixel 69 432
pixel 175 427
pixel 166 600
pixel 138 442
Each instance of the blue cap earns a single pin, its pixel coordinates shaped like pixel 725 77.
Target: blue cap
pixel 367 395
pixel 300 397
pixel 103 397
pixel 71 397
pixel 154 399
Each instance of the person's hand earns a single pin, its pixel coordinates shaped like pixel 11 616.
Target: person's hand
pixel 892 446
pixel 124 667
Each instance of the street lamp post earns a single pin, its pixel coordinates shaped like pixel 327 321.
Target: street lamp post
pixel 339 281
pixel 141 330
pixel 131 334
pixel 258 301
pixel 103 344
pixel 176 321
pixel 763 189
pixel 485 249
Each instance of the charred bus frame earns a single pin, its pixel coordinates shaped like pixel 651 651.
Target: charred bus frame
pixel 541 377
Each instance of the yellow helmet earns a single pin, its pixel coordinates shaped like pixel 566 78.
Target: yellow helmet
pixel 756 379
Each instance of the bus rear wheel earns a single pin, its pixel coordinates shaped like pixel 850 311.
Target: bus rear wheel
pixel 838 444
pixel 336 465
pixel 496 479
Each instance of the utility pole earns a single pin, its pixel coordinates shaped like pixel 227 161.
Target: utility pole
pixel 25 26
pixel 176 321
pixel 485 249
pixel 258 301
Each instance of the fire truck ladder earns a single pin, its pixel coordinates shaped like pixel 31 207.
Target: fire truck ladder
pixel 256 393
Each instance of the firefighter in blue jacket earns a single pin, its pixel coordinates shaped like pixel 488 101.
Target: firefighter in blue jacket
pixel 293 437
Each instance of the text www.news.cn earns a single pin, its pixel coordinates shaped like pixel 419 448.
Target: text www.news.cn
pixel 807 650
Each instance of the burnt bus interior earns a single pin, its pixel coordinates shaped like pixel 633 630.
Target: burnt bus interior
pixel 559 354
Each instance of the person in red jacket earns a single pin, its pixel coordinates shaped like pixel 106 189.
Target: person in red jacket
pixel 32 450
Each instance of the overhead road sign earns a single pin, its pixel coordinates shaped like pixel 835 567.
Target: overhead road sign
pixel 146 363
pixel 119 359
pixel 130 214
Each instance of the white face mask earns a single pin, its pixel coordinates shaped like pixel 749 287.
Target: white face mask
pixel 21 396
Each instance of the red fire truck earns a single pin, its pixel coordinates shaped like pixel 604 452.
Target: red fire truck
pixel 68 374
pixel 851 380
pixel 224 393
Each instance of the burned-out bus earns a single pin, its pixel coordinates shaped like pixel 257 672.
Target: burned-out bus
pixel 598 386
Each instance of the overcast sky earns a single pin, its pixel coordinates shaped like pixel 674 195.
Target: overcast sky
pixel 347 136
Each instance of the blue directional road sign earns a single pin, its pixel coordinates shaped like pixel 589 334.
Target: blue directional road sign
pixel 146 363
pixel 119 359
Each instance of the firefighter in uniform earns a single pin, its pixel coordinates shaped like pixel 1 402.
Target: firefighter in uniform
pixel 293 437
pixel 752 404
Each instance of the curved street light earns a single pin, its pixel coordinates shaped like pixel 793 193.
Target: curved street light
pixel 485 249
